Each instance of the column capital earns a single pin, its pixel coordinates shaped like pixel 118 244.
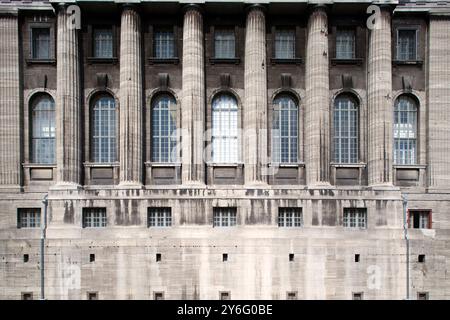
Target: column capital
pixel 256 6
pixel 322 7
pixel 193 6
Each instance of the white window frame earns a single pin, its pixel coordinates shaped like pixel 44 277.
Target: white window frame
pixel 355 218
pixel 285 106
pixel 94 217
pixel 159 217
pixel 290 217
pixel 397 46
pixel 104 129
pixel 405 134
pixel 164 133
pixel 28 218
pixel 224 216
pixel 345 131
pixel 224 43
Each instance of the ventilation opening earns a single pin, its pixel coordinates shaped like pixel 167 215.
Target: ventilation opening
pixel 291 295
pixel 27 296
pixel 357 296
pixel 291 257
pixel 92 296
pixel 357 257
pixel 421 258
pixel 224 296
pixel 158 295
pixel 26 258
pixel 91 257
pixel 158 257
pixel 225 257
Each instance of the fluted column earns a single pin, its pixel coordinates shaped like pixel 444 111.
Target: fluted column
pixel 317 118
pixel 380 103
pixel 68 105
pixel 10 155
pixel 255 103
pixel 131 105
pixel 193 98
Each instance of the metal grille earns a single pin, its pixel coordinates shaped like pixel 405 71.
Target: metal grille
pixel 285 44
pixel 103 43
pixel 43 130
pixel 285 130
pixel 94 217
pixel 224 217
pixel 164 44
pixel 355 218
pixel 405 130
pixel 29 217
pixel 224 44
pixel 159 217
pixel 345 44
pixel 104 130
pixel 406 45
pixel 40 43
pixel 164 140
pixel 224 129
pixel 290 217
pixel 345 130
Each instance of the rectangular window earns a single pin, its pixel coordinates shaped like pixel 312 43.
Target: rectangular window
pixel 345 44
pixel 422 295
pixel 164 44
pixel 224 295
pixel 355 218
pixel 159 217
pixel 290 217
pixel 158 295
pixel 40 46
pixel 224 44
pixel 94 217
pixel 224 217
pixel 285 44
pixel 291 295
pixel 27 296
pixel 92 295
pixel 28 218
pixel 406 45
pixel 103 43
pixel 419 219
pixel 357 295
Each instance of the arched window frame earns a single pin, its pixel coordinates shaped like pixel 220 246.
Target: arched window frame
pixel 163 105
pixel 42 129
pixel 225 142
pixel 285 106
pixel 103 108
pixel 405 135
pixel 346 128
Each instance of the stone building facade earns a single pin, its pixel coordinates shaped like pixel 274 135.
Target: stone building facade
pixel 225 150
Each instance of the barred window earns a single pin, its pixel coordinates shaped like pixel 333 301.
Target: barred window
pixel 224 216
pixel 290 217
pixel 406 45
pixel 345 44
pixel 163 130
pixel 355 218
pixel 43 130
pixel 285 130
pixel 40 47
pixel 224 44
pixel 419 219
pixel 159 217
pixel 285 44
pixel 405 130
pixel 103 43
pixel 28 218
pixel 164 44
pixel 94 217
pixel 345 130
pixel 104 129
pixel 224 129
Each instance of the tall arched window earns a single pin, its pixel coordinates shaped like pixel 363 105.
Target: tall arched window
pixel 43 130
pixel 164 140
pixel 345 118
pixel 285 130
pixel 104 129
pixel 224 129
pixel 405 130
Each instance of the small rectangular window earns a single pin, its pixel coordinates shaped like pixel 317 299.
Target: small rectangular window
pixel 224 295
pixel 26 258
pixel 421 258
pixel 290 217
pixel 163 43
pixel 291 295
pixel 28 218
pixel 40 47
pixel 285 44
pixel 422 295
pixel 159 217
pixel 345 44
pixel 419 219
pixel 92 257
pixel 94 217
pixel 103 42
pixel 158 295
pixel 357 295
pixel 158 257
pixel 355 218
pixel 406 44
pixel 291 257
pixel 27 295
pixel 224 216
pixel 225 257
pixel 224 44
pixel 92 295
pixel 356 257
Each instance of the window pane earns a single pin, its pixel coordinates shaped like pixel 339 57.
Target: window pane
pixel 40 43
pixel 104 130
pixel 284 44
pixel 345 44
pixel 103 43
pixel 405 131
pixel 163 129
pixel 224 44
pixel 224 217
pixel 224 129
pixel 406 45
pixel 355 218
pixel 345 121
pixel 159 217
pixel 164 44
pixel 94 217
pixel 43 130
pixel 284 130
